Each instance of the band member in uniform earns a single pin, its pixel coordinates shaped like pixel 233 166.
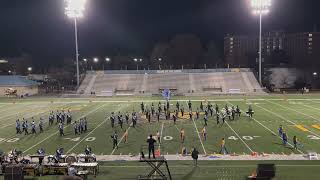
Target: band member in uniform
pixel 190 105
pixel 182 135
pixel 217 109
pixel 85 124
pixel 134 119
pixel 127 117
pixel 190 115
pixel 120 121
pixel 205 120
pixel 217 117
pixel 75 127
pixel 201 106
pixel 280 130
pixel 112 119
pixel 59 153
pixel 41 125
pixel 41 152
pixel 87 150
pixel 142 107
pixel 61 129
pixel 284 138
pixel 174 118
pixel 178 105
pixel 114 138
pixel 233 111
pixel 18 130
pixel 204 133
pixel 158 137
pixel 238 112
pixel 126 136
pixel 197 114
pixel 33 127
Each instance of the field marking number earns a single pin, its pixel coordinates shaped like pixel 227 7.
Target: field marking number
pixel 247 138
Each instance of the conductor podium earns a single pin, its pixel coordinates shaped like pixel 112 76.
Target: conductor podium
pixel 155 173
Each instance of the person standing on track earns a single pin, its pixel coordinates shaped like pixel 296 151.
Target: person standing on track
pixel 223 149
pixel 195 155
pixel 151 142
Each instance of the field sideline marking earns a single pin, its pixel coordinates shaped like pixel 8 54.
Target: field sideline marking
pixel 311 107
pixel 270 130
pixel 217 166
pixel 293 123
pixel 92 111
pixel 293 110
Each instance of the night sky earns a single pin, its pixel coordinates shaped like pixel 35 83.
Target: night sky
pixel 41 29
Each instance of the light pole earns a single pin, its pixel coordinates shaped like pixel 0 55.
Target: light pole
pixel 95 60
pixel 74 9
pixel 260 7
pixel 107 60
pixel 136 61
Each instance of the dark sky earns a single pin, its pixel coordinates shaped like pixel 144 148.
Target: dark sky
pixel 40 28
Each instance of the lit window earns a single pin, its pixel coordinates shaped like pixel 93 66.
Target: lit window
pixel 231 42
pixel 310 39
pixel 310 35
pixel 230 50
pixel 310 43
pixel 231 39
pixel 231 47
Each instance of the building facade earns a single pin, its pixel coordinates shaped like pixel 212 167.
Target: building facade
pixel 242 51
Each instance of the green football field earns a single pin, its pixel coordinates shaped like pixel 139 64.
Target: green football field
pixel 299 116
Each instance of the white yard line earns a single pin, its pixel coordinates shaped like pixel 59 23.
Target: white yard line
pixel 271 131
pixel 195 126
pixel 86 136
pixel 204 150
pixel 120 140
pixel 92 111
pixel 294 110
pixel 104 121
pixel 311 107
pixel 276 114
pixel 161 136
pixel 239 137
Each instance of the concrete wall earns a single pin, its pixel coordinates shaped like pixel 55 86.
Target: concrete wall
pixel 31 90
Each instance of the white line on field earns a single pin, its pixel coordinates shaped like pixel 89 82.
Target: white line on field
pixel 271 131
pixel 199 137
pixel 92 111
pixel 294 110
pixel 311 107
pixel 239 137
pixel 219 166
pixel 276 114
pixel 120 140
pixel 86 136
pixel 161 136
pixel 91 132
pixel 195 126
pixel 39 112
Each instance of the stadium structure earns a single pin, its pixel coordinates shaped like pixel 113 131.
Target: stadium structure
pixel 180 82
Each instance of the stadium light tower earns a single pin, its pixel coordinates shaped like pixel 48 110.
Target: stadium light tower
pixel 74 9
pixel 260 7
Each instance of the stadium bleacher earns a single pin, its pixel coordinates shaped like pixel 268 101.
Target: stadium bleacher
pixel 218 81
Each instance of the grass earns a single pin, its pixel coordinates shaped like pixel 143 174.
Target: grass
pixel 299 115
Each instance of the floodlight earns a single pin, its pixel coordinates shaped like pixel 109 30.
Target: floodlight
pixel 75 8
